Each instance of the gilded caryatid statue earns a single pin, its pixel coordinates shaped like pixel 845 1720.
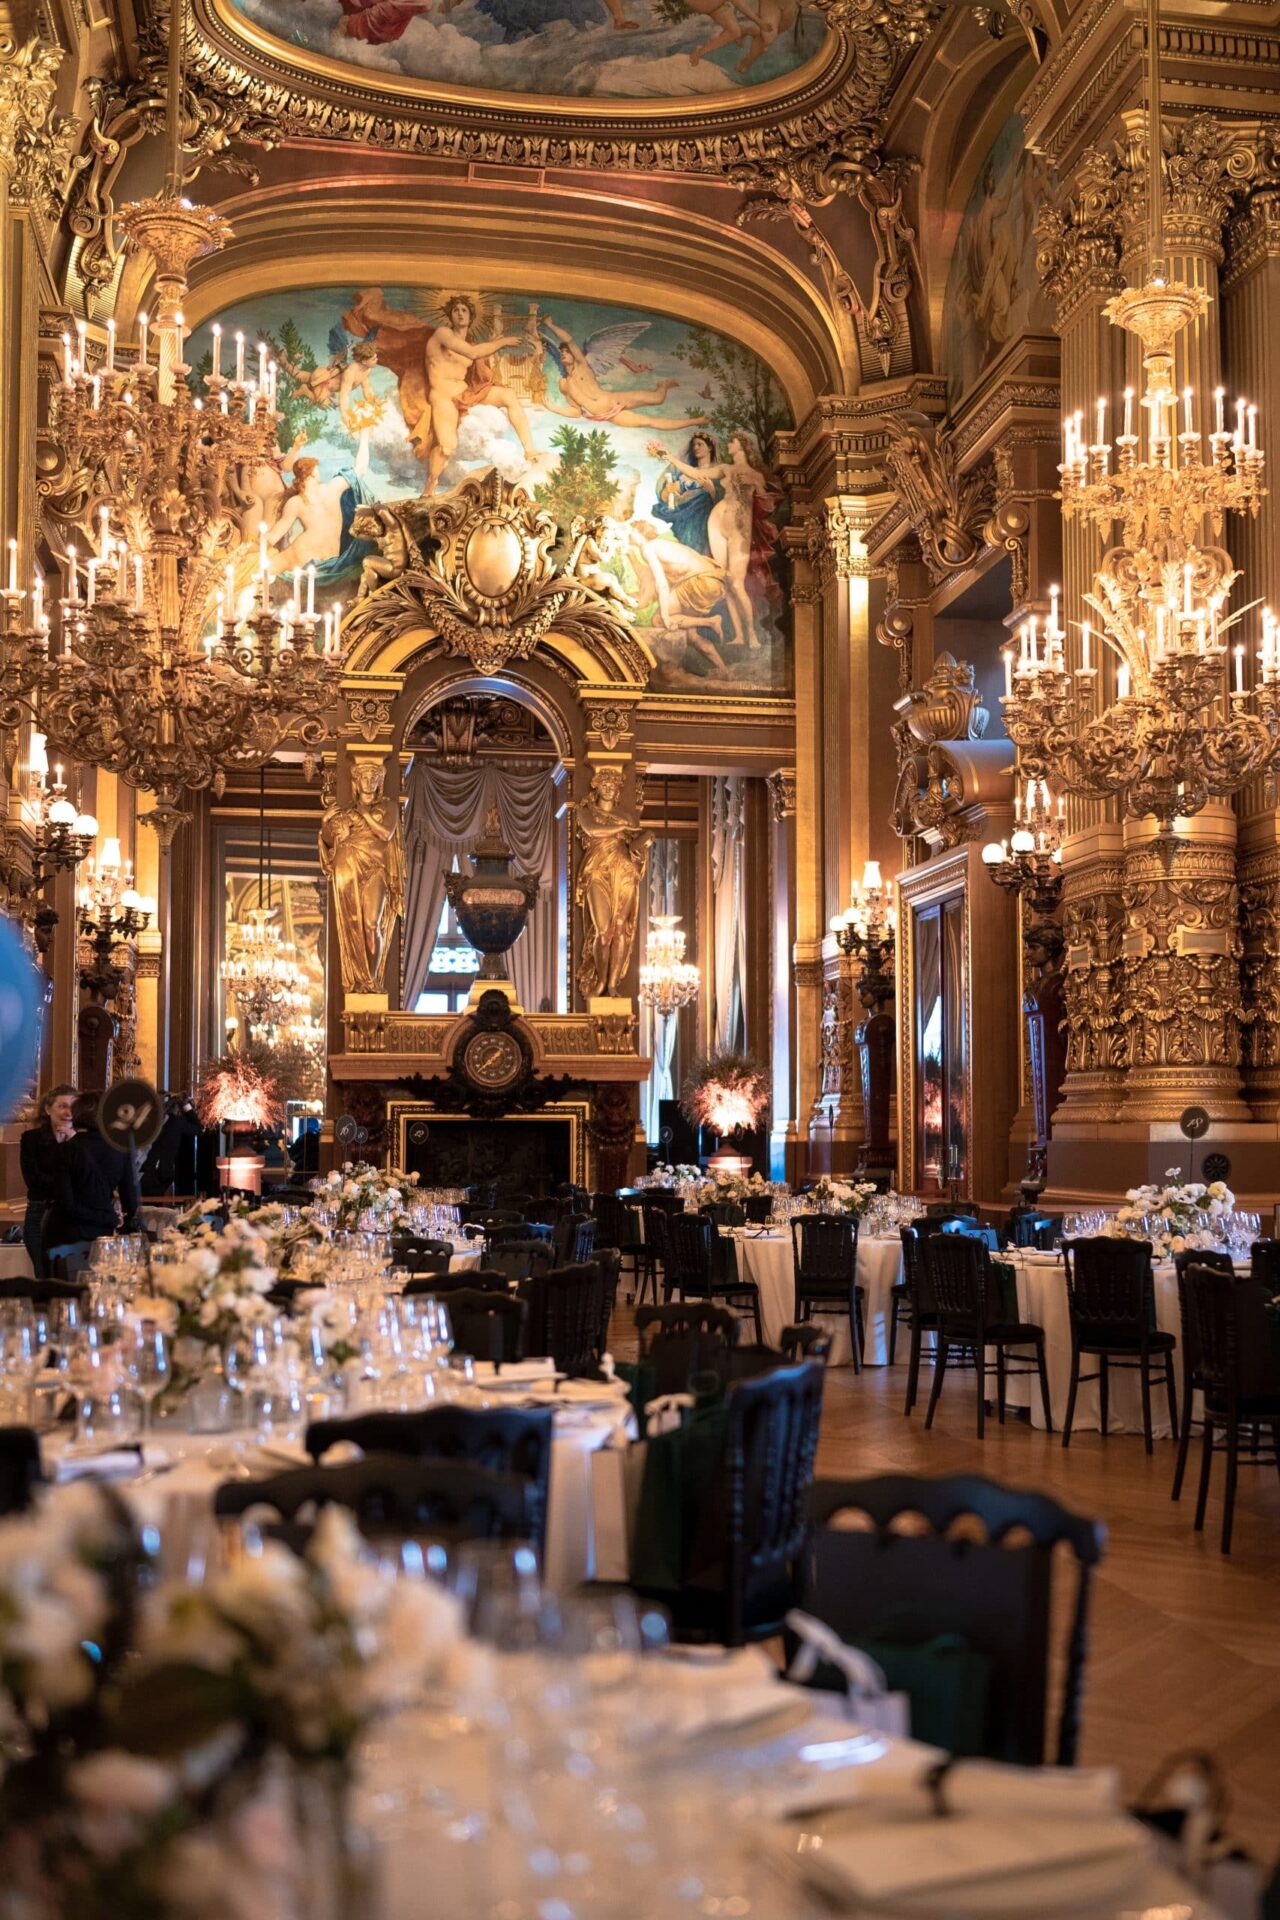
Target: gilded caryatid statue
pixel 608 890
pixel 362 853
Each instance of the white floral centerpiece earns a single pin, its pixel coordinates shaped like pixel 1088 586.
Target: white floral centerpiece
pixel 181 1751
pixel 358 1195
pixel 727 1184
pixel 1179 1215
pixel 208 1288
pixel 855 1197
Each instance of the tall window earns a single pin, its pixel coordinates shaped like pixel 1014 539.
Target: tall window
pixel 942 1118
pixel 453 965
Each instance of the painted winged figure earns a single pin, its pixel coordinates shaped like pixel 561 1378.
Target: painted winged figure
pixel 582 368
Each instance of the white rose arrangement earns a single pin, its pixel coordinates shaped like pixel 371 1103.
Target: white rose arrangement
pixel 209 1287
pixel 845 1196
pixel 358 1195
pixel 1175 1217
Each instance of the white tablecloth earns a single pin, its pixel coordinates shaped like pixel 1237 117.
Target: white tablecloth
pixel 457 1261
pixel 15 1263
pixel 766 1258
pixel 206 1460
pixel 1042 1299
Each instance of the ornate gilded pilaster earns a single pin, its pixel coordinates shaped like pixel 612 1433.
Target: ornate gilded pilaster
pixel 1092 984
pixel 1181 1007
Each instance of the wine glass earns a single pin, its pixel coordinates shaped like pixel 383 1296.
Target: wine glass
pixel 149 1365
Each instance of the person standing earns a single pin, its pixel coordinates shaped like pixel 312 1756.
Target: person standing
pixel 40 1152
pixel 97 1183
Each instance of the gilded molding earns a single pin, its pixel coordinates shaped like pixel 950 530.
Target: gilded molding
pixel 1094 967
pixel 1259 880
pixel 36 143
pixel 947 510
pixel 782 792
pixel 1180 1004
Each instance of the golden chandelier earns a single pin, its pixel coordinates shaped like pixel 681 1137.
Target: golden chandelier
pixel 1174 736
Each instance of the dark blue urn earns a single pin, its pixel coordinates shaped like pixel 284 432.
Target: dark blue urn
pixel 491 902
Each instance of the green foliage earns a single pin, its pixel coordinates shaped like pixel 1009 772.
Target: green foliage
pixel 740 390
pixel 299 414
pixel 584 482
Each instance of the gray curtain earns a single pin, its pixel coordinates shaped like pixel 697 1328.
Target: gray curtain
pixel 728 802
pixel 444 817
pixel 664 870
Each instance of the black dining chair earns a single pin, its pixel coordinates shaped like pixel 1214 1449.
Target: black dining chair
pixel 824 1254
pixel 657 1206
pixel 971 1314
pixel 701 1266
pixel 413 1262
pixel 1240 1368
pixel 912 1300
pixel 20 1470
pixel 1189 1353
pixel 942 1592
pixel 488 1325
pixel 503 1440
pixel 448 1500
pixel 1111 1305
pixel 518 1258
pixel 445 1285
pixel 688 1337
pixel 758 1208
pixel 725 1213
pixel 618 1225
pixel 42 1293
pixel 567 1317
pixel 574 1239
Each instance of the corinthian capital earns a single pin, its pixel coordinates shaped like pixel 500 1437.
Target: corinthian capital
pixel 1208 164
pixel 35 142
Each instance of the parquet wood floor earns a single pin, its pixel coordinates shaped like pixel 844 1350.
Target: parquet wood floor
pixel 1184 1643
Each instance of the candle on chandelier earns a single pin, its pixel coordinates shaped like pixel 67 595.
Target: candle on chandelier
pixel 1219 409
pixel 1053 608
pixel 1253 429
pixel 337 625
pixel 239 359
pixel 266 591
pixel 311 591
pixel 1186 411
pixel 210 641
pixel 1084 645
pixel 1128 413
pixel 1122 680
pixel 74 594
pixel 1006 654
pixel 1239 653
pixel 1102 415
pixel 1033 653
pixel 37 599
pixel 217 351
pixel 1017 803
pixel 252 405
pixel 143 324
pixel 13 566
pixel 91 588
pixel 262 366
pixel 82 333
pixel 96 384
pixel 1239 432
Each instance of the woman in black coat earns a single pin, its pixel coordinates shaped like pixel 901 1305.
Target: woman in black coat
pixel 92 1176
pixel 40 1150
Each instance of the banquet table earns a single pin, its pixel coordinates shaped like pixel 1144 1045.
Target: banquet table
pixel 746 1778
pixel 176 1467
pixel 765 1257
pixel 1042 1300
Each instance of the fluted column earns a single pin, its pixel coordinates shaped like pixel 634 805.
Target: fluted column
pixel 806 951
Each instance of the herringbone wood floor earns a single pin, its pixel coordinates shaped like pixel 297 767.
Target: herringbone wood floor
pixel 1184 1644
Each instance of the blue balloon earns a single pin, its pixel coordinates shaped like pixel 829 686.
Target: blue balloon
pixel 21 996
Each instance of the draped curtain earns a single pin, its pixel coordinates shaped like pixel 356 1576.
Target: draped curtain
pixel 729 930
pixel 444 817
pixel 664 871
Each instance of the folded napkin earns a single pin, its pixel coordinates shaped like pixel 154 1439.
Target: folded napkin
pixel 514 1372
pixel 114 1463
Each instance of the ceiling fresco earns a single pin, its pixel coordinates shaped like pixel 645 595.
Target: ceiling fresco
pixel 654 425
pixel 605 49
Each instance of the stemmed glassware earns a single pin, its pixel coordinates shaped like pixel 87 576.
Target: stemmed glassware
pixel 148 1366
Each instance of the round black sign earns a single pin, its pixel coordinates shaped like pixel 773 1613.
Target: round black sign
pixel 130 1114
pixel 345 1130
pixel 419 1133
pixel 1194 1123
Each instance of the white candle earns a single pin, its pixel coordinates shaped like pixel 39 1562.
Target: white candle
pixel 1186 411
pixel 1084 645
pixel 1102 414
pixel 111 346
pixel 222 399
pixel 1053 609
pixel 142 329
pixel 1122 680
pixel 1128 413
pixel 209 643
pixel 1006 654
pixel 252 405
pixel 66 359
pixel 311 591
pixel 1187 572
pixel 137 583
pixel 74 595
pixel 37 599
pixel 1219 404
pixel 97 391
pixel 239 359
pixel 1239 653
pixel 91 573
pixel 262 366
pixel 217 351
pixel 1240 421
pixel 1067 447
pixel 1033 650
pixel 1253 429
pixel 266 591
pixel 82 329
pixel 1017 803
pixel 179 335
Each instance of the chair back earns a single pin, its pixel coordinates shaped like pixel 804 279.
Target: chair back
pixel 516 1258
pixel 687 1261
pixel 617 1224
pixel 1237 1358
pixel 987 1235
pixel 1188 1345
pixel 566 1317
pixel 487 1324
pixel 450 1500
pixel 490 1217
pixel 771 1441
pixel 725 1213
pixel 824 1254
pixel 574 1239
pixel 959 1271
pixel 915 1272
pixel 758 1208
pixel 908 1589
pixel 685 1338
pixel 413 1262
pixel 408 1243
pixel 504 1440
pixel 807 1341
pixel 950 1210
pixel 20 1468
pixel 1109 1286
pixel 1264 1264
pixel 445 1285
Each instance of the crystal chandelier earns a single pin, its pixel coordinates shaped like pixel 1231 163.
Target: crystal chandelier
pixel 112 914
pixel 866 928
pixel 1029 862
pixel 180 658
pixel 1174 736
pixel 667 980
pixel 262 977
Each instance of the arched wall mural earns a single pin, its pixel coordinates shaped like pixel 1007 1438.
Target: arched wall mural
pixel 654 429
pixel 993 289
pixel 611 49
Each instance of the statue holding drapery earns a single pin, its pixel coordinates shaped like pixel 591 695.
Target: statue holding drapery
pixel 362 854
pixel 608 890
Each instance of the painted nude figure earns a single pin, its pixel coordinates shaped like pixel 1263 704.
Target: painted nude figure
pixel 581 367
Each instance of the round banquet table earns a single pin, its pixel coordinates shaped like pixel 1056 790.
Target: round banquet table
pixel 1042 1299
pixel 766 1259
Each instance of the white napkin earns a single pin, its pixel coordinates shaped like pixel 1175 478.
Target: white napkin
pixel 515 1373
pixel 119 1463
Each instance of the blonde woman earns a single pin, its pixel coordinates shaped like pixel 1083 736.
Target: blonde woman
pixel 739 531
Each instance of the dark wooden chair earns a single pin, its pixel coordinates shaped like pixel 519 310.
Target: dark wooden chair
pixel 725 1213
pixel 1189 1353
pixel 403 1244
pixel 698 1265
pixel 758 1208
pixel 805 1342
pixel 449 1500
pixel 824 1253
pixel 682 1339
pixel 911 1299
pixel 20 1470
pixel 970 1315
pixel 415 1263
pixel 1241 1372
pixel 444 1285
pixel 566 1315
pixel 518 1258
pixel 503 1440
pixel 490 1219
pixel 770 1442
pixel 618 1225
pixel 41 1293
pixel 657 1207
pixel 944 1210
pixel 574 1239
pixel 1111 1303
pixel 488 1325
pixel 993 1592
